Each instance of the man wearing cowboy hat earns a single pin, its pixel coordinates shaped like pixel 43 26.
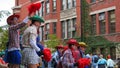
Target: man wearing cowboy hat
pixel 29 55
pixel 68 60
pixel 13 56
pixel 82 47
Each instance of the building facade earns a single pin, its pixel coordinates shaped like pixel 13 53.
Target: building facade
pixel 105 21
pixel 62 17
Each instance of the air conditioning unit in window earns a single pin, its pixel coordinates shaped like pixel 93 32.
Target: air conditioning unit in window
pixel 101 17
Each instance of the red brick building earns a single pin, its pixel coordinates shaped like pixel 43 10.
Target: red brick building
pixel 62 17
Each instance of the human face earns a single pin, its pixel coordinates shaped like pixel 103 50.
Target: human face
pixel 60 50
pixel 15 20
pixel 37 23
pixel 74 47
pixel 83 49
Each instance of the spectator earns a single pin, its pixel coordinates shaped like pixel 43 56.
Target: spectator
pixel 95 59
pixel 101 62
pixel 56 58
pixel 2 62
pixel 110 62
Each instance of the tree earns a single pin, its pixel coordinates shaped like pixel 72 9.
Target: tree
pixel 4 13
pixel 52 42
pixel 85 20
pixel 3 39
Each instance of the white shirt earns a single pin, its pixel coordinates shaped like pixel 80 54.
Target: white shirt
pixel 110 63
pixel 29 37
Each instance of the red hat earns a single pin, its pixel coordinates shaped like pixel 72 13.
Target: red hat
pixel 72 41
pixel 11 18
pixel 59 47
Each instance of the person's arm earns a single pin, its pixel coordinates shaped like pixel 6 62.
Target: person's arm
pixel 33 42
pixel 98 61
pixel 20 25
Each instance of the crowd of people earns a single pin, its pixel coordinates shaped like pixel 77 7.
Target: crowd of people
pixel 35 55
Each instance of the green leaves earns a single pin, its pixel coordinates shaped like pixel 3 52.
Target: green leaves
pixel 4 13
pixel 52 42
pixel 3 39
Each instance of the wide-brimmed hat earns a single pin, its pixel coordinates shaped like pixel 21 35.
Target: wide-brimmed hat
pixel 59 47
pixel 72 41
pixel 82 44
pixel 37 18
pixel 10 18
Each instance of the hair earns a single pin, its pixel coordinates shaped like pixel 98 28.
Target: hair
pixel 70 45
pixel 33 21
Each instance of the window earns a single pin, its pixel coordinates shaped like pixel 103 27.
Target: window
pixel 102 23
pixel 54 5
pixel 112 21
pixel 93 23
pixel 64 4
pixel 69 4
pixel 68 29
pixel 74 3
pixel 63 29
pixel 42 33
pixel 73 27
pixel 54 27
pixel 47 31
pixel 42 9
pixel 47 6
pixel 92 1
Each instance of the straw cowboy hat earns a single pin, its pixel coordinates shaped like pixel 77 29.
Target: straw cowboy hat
pixel 82 44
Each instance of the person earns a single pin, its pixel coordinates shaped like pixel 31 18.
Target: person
pixel 39 45
pixel 56 57
pixel 101 62
pixel 29 55
pixel 95 59
pixel 13 56
pixel 89 56
pixel 2 62
pixel 118 63
pixel 82 47
pixel 68 60
pixel 110 62
pixel 40 54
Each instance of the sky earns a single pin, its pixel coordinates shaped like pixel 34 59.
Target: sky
pixel 6 5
